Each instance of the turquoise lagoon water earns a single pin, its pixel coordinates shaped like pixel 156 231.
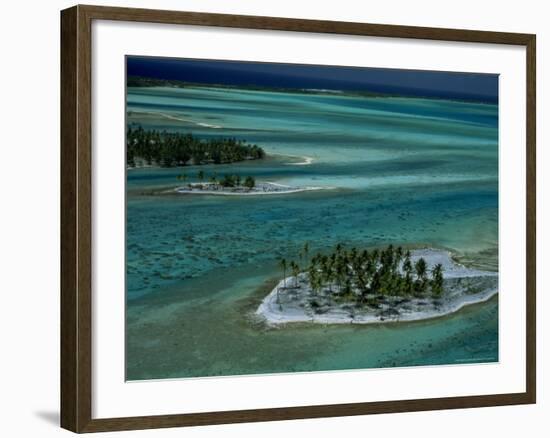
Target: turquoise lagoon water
pixel 406 171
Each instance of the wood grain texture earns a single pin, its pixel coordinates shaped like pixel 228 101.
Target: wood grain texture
pixel 303 412
pixel 76 219
pixel 531 250
pixel 76 250
pixel 69 328
pixel 299 25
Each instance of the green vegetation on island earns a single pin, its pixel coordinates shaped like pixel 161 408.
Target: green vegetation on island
pixel 170 149
pixel 142 81
pixel 227 180
pixel 366 276
pixel 231 184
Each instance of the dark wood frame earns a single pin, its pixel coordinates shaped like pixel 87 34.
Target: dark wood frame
pixel 76 225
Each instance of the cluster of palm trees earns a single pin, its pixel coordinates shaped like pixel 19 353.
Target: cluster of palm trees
pixel 236 181
pixel 227 180
pixel 169 149
pixel 366 275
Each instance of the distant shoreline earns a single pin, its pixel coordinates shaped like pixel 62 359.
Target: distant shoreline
pixel 463 287
pixel 147 82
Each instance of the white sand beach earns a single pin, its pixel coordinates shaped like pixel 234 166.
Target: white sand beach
pixel 179 119
pixel 292 300
pixel 263 188
pixel 306 161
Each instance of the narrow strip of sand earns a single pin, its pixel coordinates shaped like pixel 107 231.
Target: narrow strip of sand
pixel 261 189
pixel 179 119
pixel 306 161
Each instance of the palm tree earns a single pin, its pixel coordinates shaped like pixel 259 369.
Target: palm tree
pixel 228 180
pixel 340 272
pixel 398 257
pixel 437 280
pixel 327 271
pixel 407 269
pixel 295 271
pixel 375 282
pixel 313 275
pixel 421 269
pixel 389 256
pixel 370 269
pixel 305 250
pixel 347 287
pixel 249 182
pixel 359 272
pixel 375 256
pixel 302 254
pixel 283 265
pixel 386 258
pixel 353 254
pixel 385 283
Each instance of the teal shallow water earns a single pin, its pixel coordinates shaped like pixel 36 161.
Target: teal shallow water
pixel 404 171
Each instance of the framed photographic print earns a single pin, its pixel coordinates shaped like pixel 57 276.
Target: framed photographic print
pixel 268 218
